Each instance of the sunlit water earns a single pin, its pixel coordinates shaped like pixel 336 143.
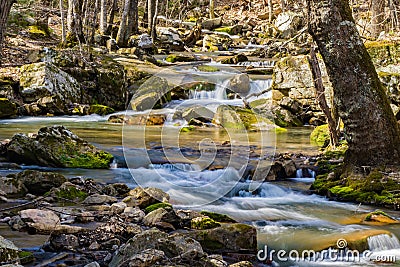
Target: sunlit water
pixel 285 217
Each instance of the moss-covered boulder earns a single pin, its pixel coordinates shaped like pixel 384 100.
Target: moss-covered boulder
pixel 68 191
pixel 217 42
pixel 320 135
pixel 203 222
pixel 180 58
pixel 7 108
pixel 379 217
pixel 57 146
pixel 377 187
pixel 100 110
pixel 38 31
pixel 232 30
pixel 218 217
pixel 240 118
pixel 158 206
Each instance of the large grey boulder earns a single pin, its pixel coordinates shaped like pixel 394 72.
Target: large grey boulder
pixel 50 88
pixel 151 94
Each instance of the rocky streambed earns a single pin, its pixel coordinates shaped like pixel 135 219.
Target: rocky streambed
pixel 112 225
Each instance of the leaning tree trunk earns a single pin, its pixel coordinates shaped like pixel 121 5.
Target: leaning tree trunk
pixel 63 30
pixel 371 129
pixel 114 9
pixel 122 27
pixel 5 7
pixel 378 17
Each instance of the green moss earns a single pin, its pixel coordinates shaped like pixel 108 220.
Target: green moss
pixel 26 257
pixel 88 160
pixel 202 223
pixel 377 212
pixel 187 129
pixel 320 135
pixel 279 130
pixel 157 206
pixel 229 30
pixel 218 217
pixel 180 58
pixel 72 193
pixel 207 68
pixel 341 190
pixel 36 31
pixel 100 109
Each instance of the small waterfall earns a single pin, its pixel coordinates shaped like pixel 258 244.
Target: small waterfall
pixel 114 164
pixel 218 94
pixel 258 86
pixel 383 242
pixel 305 173
pixel 185 167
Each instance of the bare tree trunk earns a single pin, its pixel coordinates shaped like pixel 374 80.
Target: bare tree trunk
pixel 63 30
pixel 112 15
pixel 145 20
pixel 270 10
pixel 122 26
pixel 93 21
pixel 133 17
pixel 154 23
pixel 5 7
pixel 283 5
pixel 378 17
pixel 212 14
pixel 371 129
pixel 151 7
pixel 394 19
pixel 74 20
pixel 103 17
pixel 320 96
pixel 70 16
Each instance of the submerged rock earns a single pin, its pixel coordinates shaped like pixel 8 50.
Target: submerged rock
pixel 57 146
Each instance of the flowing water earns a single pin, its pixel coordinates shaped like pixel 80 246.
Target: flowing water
pixel 285 215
